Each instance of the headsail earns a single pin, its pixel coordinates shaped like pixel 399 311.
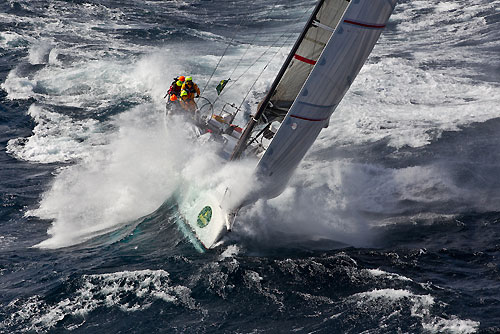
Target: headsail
pixel 331 77
pixel 309 48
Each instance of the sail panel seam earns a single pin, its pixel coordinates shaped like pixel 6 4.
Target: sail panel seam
pixel 318 42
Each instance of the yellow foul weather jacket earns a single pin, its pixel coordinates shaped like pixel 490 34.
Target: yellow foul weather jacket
pixel 191 89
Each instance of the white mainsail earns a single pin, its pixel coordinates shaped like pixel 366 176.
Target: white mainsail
pixel 341 60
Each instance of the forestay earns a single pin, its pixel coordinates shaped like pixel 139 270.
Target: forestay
pixel 310 47
pixel 331 77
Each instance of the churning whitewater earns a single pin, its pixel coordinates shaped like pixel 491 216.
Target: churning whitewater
pixel 389 225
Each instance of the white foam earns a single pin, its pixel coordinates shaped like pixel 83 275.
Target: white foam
pixel 56 138
pixel 317 300
pixel 389 294
pixel 380 106
pixel 112 290
pixel 5 243
pixel 445 16
pixel 90 86
pixel 379 301
pixel 18 87
pixel 231 251
pixel 95 84
pixel 53 57
pixel 9 39
pixel 454 326
pixel 384 274
pixel 138 168
pixel 445 6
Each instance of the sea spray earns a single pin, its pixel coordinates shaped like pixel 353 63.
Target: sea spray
pixel 119 182
pixel 40 51
pixel 143 165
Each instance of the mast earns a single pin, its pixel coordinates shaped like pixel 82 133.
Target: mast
pixel 242 142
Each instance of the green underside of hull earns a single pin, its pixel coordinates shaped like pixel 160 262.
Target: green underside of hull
pixel 189 234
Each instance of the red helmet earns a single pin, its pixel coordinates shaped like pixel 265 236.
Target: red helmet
pixel 182 78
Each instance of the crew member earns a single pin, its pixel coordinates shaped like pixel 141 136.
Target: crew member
pixel 187 103
pixel 174 106
pixel 175 88
pixel 191 88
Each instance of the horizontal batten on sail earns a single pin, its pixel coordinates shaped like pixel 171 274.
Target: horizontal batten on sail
pixel 310 119
pixel 319 106
pixel 365 25
pixel 305 60
pixel 323 26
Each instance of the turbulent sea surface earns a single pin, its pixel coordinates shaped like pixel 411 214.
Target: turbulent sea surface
pixel 390 225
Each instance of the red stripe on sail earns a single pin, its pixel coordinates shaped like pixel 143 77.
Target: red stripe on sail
pixel 376 26
pixel 305 60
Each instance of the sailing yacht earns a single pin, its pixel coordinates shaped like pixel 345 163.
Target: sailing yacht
pixel 323 63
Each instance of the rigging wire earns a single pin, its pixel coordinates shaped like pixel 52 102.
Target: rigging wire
pixel 254 39
pixel 269 62
pixel 245 53
pixel 255 62
pixel 229 44
pixel 223 54
pixel 265 67
pixel 233 82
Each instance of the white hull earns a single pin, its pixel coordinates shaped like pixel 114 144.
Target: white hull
pixel 206 219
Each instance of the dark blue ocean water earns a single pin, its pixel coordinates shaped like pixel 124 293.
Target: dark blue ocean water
pixel 391 225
